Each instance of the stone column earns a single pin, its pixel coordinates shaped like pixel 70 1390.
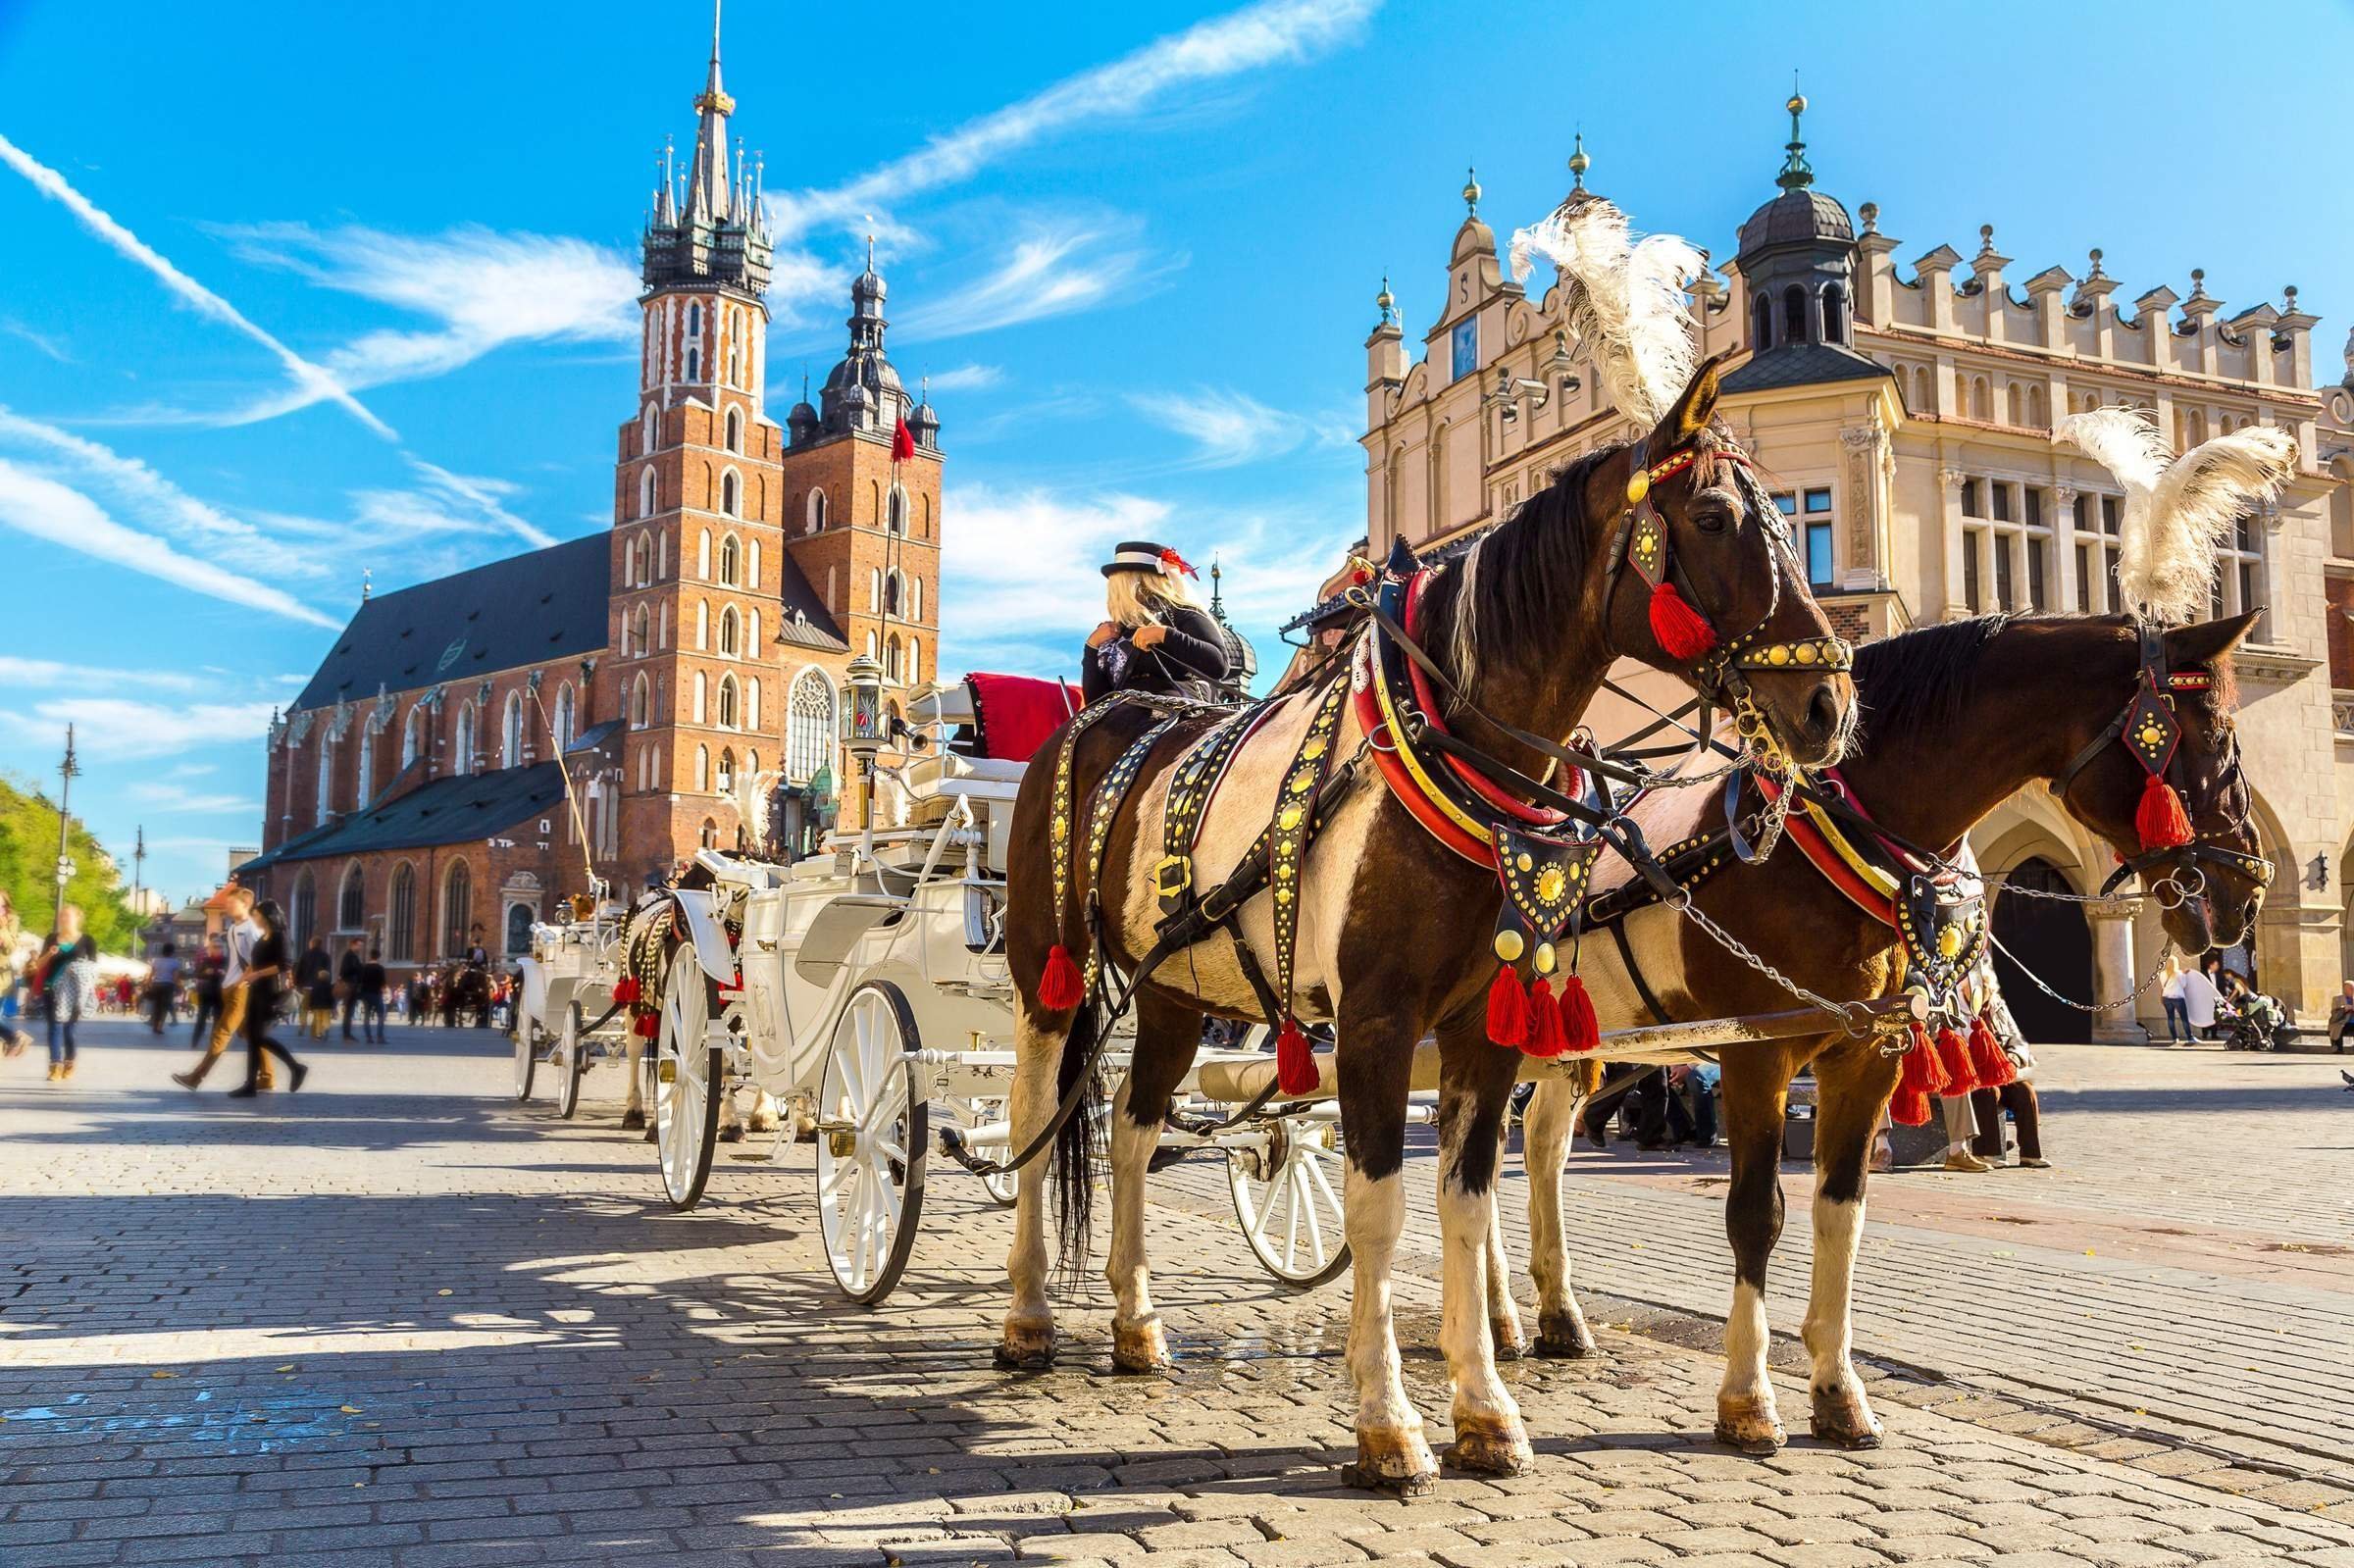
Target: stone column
pixel 1949 493
pixel 2063 546
pixel 2113 970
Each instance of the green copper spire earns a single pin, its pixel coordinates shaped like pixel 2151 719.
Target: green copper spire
pixel 1797 174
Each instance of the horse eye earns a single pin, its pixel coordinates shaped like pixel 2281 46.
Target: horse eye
pixel 1712 517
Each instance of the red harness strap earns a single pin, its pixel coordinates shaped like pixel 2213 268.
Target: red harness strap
pixel 1402 783
pixel 1823 858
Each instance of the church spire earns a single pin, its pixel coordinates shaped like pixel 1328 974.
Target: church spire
pixel 1797 174
pixel 710 196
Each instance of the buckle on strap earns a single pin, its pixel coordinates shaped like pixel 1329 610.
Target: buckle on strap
pixel 1171 878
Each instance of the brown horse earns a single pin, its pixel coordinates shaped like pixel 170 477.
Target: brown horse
pixel 1956 718
pixel 1394 932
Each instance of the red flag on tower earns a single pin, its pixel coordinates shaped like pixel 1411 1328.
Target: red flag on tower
pixel 902 443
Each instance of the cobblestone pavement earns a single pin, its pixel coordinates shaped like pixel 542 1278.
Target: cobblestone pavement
pixel 400 1320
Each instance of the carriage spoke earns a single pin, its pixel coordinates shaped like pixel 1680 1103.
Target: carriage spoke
pixel 1307 1209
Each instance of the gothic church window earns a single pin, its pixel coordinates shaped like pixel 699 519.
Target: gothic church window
pixel 727 701
pixel 637 703
pixel 730 559
pixel 463 762
pixel 457 904
pixel 326 779
pixel 810 728
pixel 726 631
pixel 645 431
pixel 897 519
pixel 646 494
pixel 412 737
pixel 351 903
pixel 401 920
pixel 735 430
pixel 510 749
pixel 727 771
pixel 817 510
pixel 730 491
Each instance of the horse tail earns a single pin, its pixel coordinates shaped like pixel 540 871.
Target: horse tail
pixel 1073 1171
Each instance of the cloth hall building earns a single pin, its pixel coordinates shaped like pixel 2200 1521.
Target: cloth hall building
pixel 416 787
pixel 1902 398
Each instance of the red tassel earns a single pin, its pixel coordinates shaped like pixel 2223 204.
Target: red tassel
pixel 1990 1063
pixel 627 989
pixel 1545 1037
pixel 1909 1106
pixel 2160 819
pixel 1295 1072
pixel 1682 633
pixel 1953 1061
pixel 1507 1008
pixel 1917 1079
pixel 646 1027
pixel 1579 1025
pixel 1061 988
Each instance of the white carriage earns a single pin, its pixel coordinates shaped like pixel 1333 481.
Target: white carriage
pixel 866 987
pixel 565 1016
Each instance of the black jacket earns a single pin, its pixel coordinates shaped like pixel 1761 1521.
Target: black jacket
pixel 1192 651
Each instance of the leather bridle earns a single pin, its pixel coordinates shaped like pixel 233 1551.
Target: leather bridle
pixel 2151 729
pixel 1642 546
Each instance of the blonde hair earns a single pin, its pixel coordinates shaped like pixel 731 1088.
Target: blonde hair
pixel 1143 599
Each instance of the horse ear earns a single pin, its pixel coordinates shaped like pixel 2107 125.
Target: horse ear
pixel 2208 642
pixel 1693 409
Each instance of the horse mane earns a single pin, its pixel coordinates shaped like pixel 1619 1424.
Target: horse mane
pixel 1922 678
pixel 1506 587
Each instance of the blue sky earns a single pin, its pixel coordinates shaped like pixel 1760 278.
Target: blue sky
pixel 349 287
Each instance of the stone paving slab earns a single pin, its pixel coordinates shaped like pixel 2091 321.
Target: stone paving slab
pixel 398 1321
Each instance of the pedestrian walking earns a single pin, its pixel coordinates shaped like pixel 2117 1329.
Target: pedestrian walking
pixel 264 981
pixel 347 983
pixel 2177 1012
pixel 72 961
pixel 371 985
pixel 315 979
pixel 204 995
pixel 237 945
pixel 2202 991
pixel 13 1040
pixel 163 987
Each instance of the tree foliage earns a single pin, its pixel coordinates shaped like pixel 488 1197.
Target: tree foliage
pixel 27 871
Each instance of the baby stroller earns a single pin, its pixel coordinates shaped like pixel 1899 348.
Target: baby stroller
pixel 2256 1023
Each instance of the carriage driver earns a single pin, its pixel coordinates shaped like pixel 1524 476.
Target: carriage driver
pixel 1158 638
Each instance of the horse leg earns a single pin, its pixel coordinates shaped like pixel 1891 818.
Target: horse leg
pixel 1475 1087
pixel 1028 1340
pixel 1505 1340
pixel 633 1115
pixel 764 1115
pixel 731 1120
pixel 1167 1036
pixel 1374 1067
pixel 1851 1086
pixel 1754 1090
pixel 1545 1133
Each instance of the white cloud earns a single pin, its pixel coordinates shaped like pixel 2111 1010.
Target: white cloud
pixel 1227 428
pixel 1054 270
pixel 485 290
pixel 119 728
pixel 966 379
pixel 158 501
pixel 445 503
pixel 54 347
pixel 316 382
pixel 45 509
pixel 179 800
pixel 54 676
pixel 1264 34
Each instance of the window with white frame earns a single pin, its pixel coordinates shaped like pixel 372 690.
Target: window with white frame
pixel 810 728
pixel 2005 545
pixel 2239 585
pixel 1809 514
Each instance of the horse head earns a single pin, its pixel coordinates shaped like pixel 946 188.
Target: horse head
pixel 1707 585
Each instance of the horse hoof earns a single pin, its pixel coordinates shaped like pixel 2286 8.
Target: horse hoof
pixel 632 1121
pixel 1490 1449
pixel 1503 1339
pixel 1842 1417
pixel 1140 1347
pixel 1026 1348
pixel 1564 1336
pixel 731 1134
pixel 1396 1461
pixel 1750 1425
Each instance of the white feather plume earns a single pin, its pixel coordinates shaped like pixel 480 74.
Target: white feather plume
pixel 1625 301
pixel 2178 510
pixel 752 792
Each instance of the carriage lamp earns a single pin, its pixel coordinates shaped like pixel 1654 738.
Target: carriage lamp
pixel 862 720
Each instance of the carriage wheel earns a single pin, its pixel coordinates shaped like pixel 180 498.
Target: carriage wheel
pixel 1287 1197
pixel 871 1143
pixel 1005 1188
pixel 573 1063
pixel 526 1055
pixel 685 1075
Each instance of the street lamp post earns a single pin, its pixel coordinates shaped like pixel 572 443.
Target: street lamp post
pixel 66 771
pixel 139 906
pixel 862 734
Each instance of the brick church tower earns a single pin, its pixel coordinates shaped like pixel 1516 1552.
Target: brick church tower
pixel 750 561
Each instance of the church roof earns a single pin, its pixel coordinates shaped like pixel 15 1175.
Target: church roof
pixel 447 811
pixel 1800 365
pixel 803 617
pixel 525 609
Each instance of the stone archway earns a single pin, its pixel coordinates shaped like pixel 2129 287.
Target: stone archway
pixel 2052 937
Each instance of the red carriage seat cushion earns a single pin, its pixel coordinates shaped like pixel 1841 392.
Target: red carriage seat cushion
pixel 1018 712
